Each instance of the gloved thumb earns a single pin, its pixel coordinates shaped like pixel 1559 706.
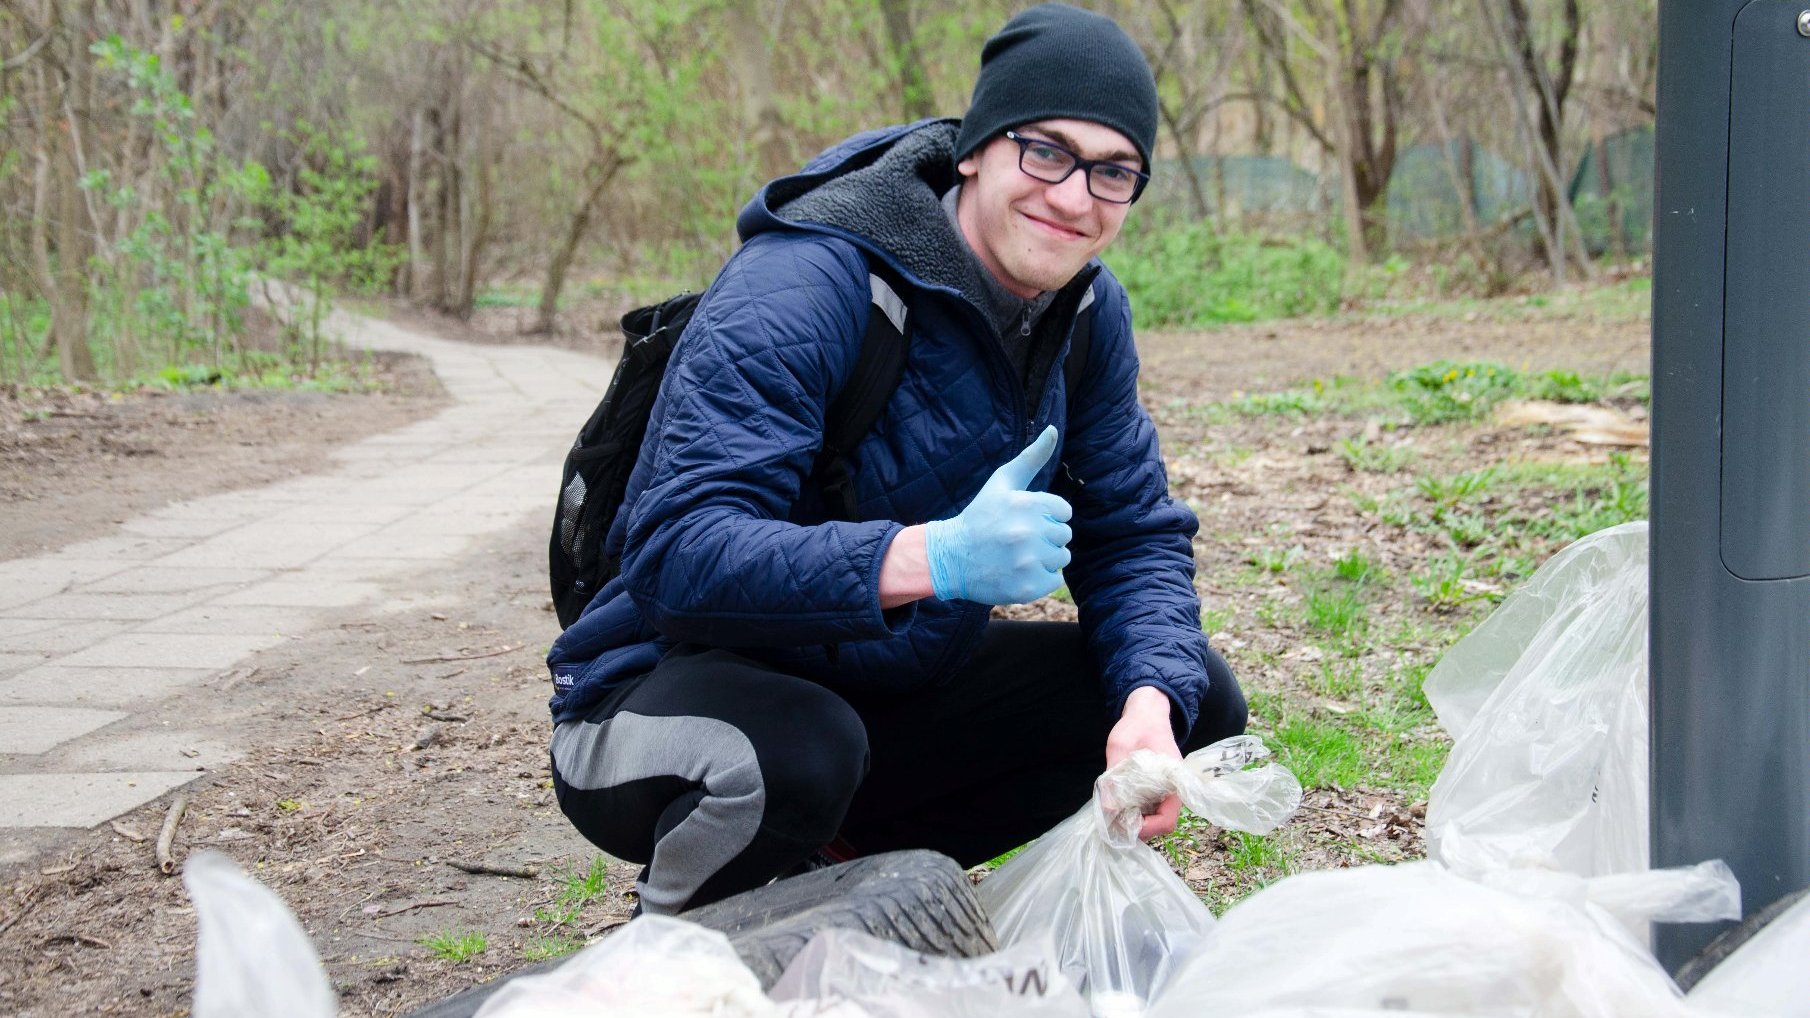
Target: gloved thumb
pixel 1017 473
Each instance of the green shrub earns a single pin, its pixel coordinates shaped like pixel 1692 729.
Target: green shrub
pixel 1189 274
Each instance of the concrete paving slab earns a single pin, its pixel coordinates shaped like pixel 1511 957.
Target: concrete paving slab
pixel 302 592
pixel 222 619
pixel 169 650
pixel 41 729
pixel 119 546
pixel 178 526
pixel 231 505
pixel 55 685
pixel 468 523
pixel 13 629
pixel 55 636
pixel 103 607
pixel 14 663
pixel 25 580
pixel 80 799
pixel 388 451
pixel 268 545
pixel 376 514
pixel 151 750
pixel 406 543
pixel 165 579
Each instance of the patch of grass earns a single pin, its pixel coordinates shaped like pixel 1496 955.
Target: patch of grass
pixel 1276 560
pixel 579 888
pixel 1322 753
pixel 1354 567
pixel 1215 620
pixel 1380 746
pixel 1446 391
pixel 1338 680
pixel 1365 456
pixel 1445 492
pixel 1442 584
pixel 456 947
pixel 1337 611
pixel 1288 403
pixel 541 948
pixel 1253 852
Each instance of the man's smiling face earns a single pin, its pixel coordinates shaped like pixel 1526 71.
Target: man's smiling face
pixel 1031 235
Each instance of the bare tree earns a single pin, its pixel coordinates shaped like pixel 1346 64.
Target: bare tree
pixel 1357 48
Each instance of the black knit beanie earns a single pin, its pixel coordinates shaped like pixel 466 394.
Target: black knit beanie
pixel 1056 61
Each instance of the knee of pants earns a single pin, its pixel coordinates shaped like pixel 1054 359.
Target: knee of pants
pixel 810 781
pixel 1223 711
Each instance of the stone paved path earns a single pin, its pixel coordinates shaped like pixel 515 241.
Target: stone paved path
pixel 97 632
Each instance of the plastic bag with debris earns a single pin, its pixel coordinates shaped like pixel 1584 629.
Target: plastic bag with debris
pixel 1119 916
pixel 654 966
pixel 885 980
pixel 252 959
pixel 1422 939
pixel 1546 703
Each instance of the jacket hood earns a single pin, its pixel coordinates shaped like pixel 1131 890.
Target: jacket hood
pixel 882 190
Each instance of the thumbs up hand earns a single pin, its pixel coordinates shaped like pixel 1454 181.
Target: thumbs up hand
pixel 1009 545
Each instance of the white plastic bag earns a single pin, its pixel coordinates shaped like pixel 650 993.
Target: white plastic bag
pixel 1119 916
pixel 884 980
pixel 1546 703
pixel 252 959
pixel 1765 976
pixel 654 967
pixel 1419 938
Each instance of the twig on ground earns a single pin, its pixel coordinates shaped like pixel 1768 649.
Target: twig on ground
pixel 25 907
pixel 235 677
pixel 1341 812
pixel 166 838
pixel 462 657
pixel 75 938
pixel 366 713
pixel 410 908
pixel 528 872
pixel 129 833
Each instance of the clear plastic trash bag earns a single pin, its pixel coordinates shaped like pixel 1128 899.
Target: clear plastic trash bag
pixel 1546 703
pixel 654 967
pixel 885 980
pixel 1421 939
pixel 252 959
pixel 1765 976
pixel 1118 915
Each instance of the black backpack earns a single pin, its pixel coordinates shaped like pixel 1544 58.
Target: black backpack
pixel 596 474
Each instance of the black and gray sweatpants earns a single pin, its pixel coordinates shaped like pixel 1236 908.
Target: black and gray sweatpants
pixel 719 772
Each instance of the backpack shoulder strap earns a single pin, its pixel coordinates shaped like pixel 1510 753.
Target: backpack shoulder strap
pixel 853 412
pixel 1080 346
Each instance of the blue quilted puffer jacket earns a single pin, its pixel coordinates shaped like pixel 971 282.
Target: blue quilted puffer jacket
pixel 725 542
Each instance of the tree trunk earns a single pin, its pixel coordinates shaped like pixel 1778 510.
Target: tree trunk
pixel 766 130
pixel 568 247
pixel 69 310
pixel 474 223
pixel 915 96
pixel 1185 152
pixel 412 202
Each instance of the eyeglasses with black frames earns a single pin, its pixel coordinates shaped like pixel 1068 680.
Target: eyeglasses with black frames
pixel 1052 164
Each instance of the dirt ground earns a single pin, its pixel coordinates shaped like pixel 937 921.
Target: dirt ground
pixel 72 465
pixel 392 749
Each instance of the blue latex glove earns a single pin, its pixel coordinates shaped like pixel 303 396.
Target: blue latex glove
pixel 1009 545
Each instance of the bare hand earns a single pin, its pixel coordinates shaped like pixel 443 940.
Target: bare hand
pixel 1144 724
